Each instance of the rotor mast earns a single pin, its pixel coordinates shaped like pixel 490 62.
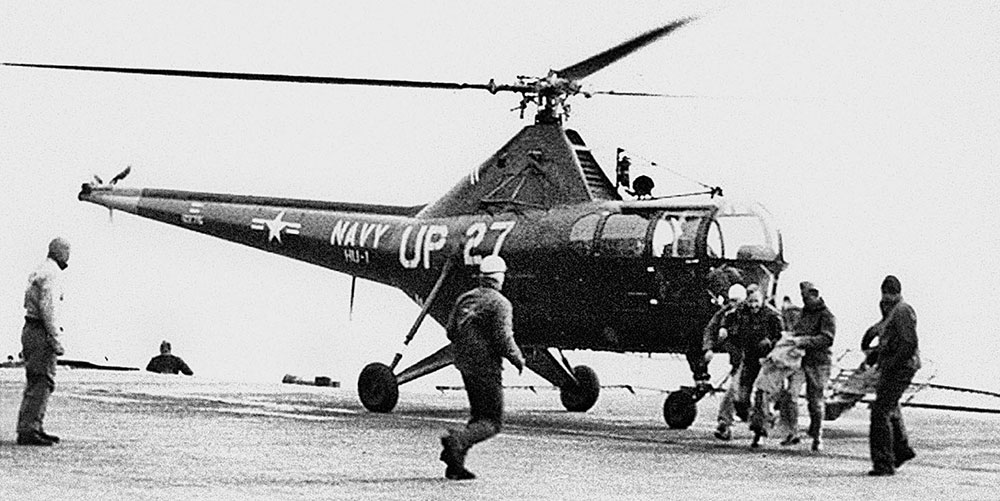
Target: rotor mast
pixel 552 92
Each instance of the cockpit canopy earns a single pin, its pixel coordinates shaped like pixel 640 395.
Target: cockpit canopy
pixel 660 229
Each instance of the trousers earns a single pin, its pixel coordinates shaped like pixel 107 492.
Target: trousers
pixel 727 408
pixel 887 437
pixel 815 378
pixel 485 392
pixel 40 369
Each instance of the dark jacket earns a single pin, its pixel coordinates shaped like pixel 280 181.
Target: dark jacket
pixel 754 333
pixel 710 336
pixel 481 331
pixel 899 353
pixel 168 364
pixel 875 332
pixel 814 332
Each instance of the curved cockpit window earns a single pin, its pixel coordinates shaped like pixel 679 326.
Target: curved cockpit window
pixel 715 244
pixel 744 236
pixel 584 228
pixel 625 233
pixel 675 235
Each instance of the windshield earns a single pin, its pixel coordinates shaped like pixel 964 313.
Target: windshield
pixel 742 236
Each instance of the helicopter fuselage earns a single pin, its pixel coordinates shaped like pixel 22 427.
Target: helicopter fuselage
pixel 626 276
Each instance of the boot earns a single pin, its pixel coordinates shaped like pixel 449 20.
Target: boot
pixel 791 439
pixel 51 438
pixel 455 472
pixel 904 457
pixel 881 472
pixel 32 438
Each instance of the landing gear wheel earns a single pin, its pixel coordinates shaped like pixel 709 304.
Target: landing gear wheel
pixel 378 388
pixel 581 397
pixel 680 409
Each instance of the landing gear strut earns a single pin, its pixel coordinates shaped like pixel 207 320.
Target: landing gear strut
pixel 378 386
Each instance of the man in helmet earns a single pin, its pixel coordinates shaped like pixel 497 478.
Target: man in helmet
pixel 700 353
pixel 481 332
pixel 40 343
pixel 715 337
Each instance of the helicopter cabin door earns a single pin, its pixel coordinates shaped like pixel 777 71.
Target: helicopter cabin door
pixel 624 279
pixel 682 303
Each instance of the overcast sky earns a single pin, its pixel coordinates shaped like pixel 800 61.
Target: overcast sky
pixel 870 131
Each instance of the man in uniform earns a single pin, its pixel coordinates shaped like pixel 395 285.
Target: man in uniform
pixel 701 354
pixel 814 333
pixel 756 327
pixel 168 363
pixel 481 332
pixel 897 360
pixel 40 343
pixel 715 336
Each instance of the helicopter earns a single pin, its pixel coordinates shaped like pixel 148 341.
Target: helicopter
pixel 589 269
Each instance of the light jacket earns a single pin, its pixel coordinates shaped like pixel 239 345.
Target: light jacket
pixel 43 298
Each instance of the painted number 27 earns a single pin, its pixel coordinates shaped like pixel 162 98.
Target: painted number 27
pixel 477 233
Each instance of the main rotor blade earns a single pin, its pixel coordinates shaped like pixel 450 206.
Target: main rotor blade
pixel 640 94
pixel 593 64
pixel 269 77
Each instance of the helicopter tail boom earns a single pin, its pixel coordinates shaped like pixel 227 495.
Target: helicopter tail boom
pixel 362 233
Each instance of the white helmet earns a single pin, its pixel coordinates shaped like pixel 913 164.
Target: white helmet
pixel 737 292
pixel 492 264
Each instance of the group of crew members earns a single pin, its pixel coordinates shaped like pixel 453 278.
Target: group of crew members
pixel 773 354
pixel 754 334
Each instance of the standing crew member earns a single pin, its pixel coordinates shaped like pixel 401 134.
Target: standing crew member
pixel 897 360
pixel 40 343
pixel 168 363
pixel 814 333
pixel 481 332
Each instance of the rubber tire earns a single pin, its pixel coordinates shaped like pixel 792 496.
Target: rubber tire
pixel 583 396
pixel 679 409
pixel 377 388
